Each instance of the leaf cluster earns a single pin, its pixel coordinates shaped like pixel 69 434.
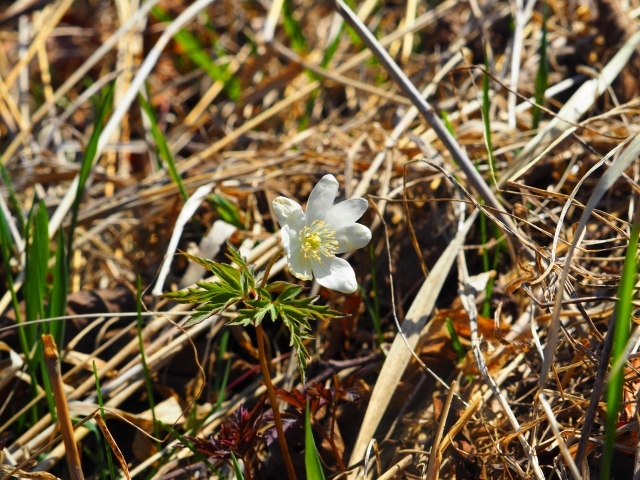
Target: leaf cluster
pixel 239 284
pixel 310 404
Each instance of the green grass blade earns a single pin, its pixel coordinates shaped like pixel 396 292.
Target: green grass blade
pixel 236 467
pixel 163 148
pixel 222 350
pixel 12 196
pixel 455 340
pixel 112 470
pixel 87 162
pixel 542 77
pixel 624 307
pixel 447 123
pixel 312 462
pixel 37 266
pixel 486 307
pixel 195 50
pixel 41 253
pixel 292 27
pixel 226 210
pixel 37 257
pixel 30 286
pixel 486 104
pixel 59 292
pixel 375 310
pixel 7 247
pixel 222 391
pixel 145 367
pixel 190 446
pixel 331 49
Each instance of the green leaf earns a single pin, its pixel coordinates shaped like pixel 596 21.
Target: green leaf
pixel 455 340
pixel 542 77
pixel 59 292
pixel 264 294
pixel 486 104
pixel 226 210
pixel 312 462
pixel 244 284
pixel 447 122
pixel 226 273
pixel 276 287
pixel 143 358
pixel 197 318
pixel 198 55
pixel 193 449
pixel 7 247
pixel 292 27
pixel 87 162
pixel 229 275
pixel 112 470
pixel 288 294
pixel 259 303
pixel 623 311
pixel 235 256
pixel 274 312
pixel 12 196
pixel 247 316
pixel 236 467
pixel 164 152
pixel 36 268
pixel 194 295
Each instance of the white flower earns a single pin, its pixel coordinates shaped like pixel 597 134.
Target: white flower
pixel 311 241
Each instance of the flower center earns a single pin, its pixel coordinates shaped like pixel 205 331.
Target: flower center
pixel 318 241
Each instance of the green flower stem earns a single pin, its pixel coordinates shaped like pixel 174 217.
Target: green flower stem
pixel 267 379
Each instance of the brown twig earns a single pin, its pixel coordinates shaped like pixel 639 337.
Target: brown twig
pixel 51 362
pixel 267 379
pixel 274 405
pixel 389 474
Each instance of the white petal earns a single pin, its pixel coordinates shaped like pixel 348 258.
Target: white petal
pixel 346 213
pixel 321 198
pixel 288 212
pixel 285 233
pixel 336 274
pixel 352 237
pixel 299 266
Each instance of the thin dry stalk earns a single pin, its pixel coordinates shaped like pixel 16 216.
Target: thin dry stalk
pixel 393 471
pixel 112 443
pixel 433 466
pixel 282 441
pixel 467 297
pixel 52 364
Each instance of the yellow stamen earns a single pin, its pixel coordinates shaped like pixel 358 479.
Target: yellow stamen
pixel 318 241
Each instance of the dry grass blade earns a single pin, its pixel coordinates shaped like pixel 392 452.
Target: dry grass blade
pixel 397 468
pixel 7 469
pixel 577 105
pixel 187 212
pixel 112 443
pixel 433 467
pixel 424 108
pixel 460 423
pixel 406 340
pixel 607 180
pixel 62 408
pixel 467 298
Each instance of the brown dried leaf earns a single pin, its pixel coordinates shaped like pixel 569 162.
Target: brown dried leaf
pixel 112 443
